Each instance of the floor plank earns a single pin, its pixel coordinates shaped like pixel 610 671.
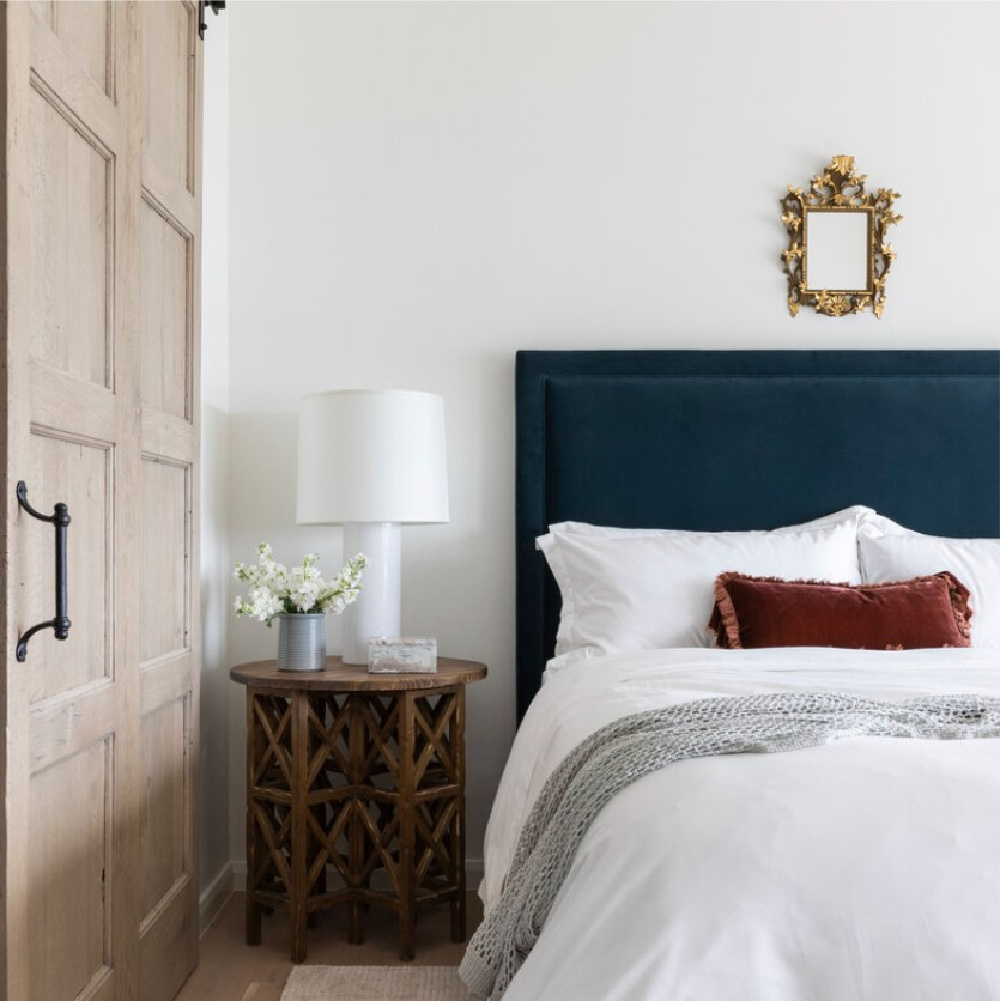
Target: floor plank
pixel 230 970
pixel 263 992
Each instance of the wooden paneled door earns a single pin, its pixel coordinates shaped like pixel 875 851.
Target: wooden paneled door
pixel 99 288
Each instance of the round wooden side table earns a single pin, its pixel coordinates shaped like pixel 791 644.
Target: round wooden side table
pixel 355 775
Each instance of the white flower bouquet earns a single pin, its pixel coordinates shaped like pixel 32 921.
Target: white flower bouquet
pixel 274 590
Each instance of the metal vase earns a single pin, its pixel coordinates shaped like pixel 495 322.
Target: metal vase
pixel 302 642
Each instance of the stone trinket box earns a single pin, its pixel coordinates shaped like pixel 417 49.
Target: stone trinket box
pixel 405 655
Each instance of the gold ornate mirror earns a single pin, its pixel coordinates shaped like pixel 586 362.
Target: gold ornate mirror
pixel 837 258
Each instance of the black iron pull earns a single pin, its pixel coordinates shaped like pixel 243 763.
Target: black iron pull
pixel 60 519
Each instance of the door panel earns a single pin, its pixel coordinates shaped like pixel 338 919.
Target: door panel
pixel 87 32
pixel 166 299
pixel 71 200
pixel 98 316
pixel 165 589
pixel 79 474
pixel 169 86
pixel 69 862
pixel 164 856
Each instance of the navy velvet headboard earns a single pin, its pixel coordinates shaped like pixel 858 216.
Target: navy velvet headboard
pixel 717 440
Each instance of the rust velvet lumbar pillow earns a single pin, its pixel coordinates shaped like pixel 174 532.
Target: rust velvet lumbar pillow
pixel 752 612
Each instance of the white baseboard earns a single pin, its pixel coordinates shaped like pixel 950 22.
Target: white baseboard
pixel 237 870
pixel 214 895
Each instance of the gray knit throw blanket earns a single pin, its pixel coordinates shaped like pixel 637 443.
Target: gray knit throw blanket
pixel 629 748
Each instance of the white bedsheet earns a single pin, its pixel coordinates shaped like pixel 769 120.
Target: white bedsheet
pixel 865 870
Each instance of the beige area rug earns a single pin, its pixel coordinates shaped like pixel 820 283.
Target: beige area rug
pixel 375 983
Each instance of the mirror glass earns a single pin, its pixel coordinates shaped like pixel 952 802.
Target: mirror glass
pixel 837 250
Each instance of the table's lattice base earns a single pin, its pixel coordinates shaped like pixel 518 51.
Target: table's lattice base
pixel 355 798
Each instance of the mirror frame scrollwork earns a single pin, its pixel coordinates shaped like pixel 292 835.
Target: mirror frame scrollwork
pixel 838 188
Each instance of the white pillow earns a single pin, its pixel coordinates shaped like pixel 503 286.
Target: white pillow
pixel 975 562
pixel 636 592
pixel 849 515
pixel 872 523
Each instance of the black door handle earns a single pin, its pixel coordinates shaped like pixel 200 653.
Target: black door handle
pixel 60 519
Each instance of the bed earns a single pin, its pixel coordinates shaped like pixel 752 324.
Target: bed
pixel 865 868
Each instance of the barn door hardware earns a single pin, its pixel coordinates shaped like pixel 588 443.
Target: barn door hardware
pixel 60 519
pixel 216 6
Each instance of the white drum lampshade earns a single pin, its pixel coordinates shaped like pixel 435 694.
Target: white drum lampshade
pixel 371 460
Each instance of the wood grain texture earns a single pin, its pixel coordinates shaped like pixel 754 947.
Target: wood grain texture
pixel 347 785
pixel 14 751
pixel 169 85
pixel 98 885
pixel 406 785
pixel 229 969
pixel 87 32
pixel 79 474
pixel 263 992
pixel 71 740
pixel 68 864
pixel 72 209
pixel 70 88
pixel 165 582
pixel 52 392
pixel 166 313
pixel 459 917
pixel 127 816
pixel 165 806
pixel 342 677
pixel 65 726
pixel 169 210
pixel 168 436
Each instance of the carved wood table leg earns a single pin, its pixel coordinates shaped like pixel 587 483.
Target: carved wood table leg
pixel 358 752
pixel 298 861
pixel 406 824
pixel 458 821
pixel 253 837
pixel 316 811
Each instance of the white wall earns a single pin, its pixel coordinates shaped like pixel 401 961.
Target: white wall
pixel 418 190
pixel 215 690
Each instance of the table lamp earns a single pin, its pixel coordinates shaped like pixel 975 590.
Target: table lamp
pixel 372 460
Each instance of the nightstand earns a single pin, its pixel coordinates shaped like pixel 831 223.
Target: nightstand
pixel 360 778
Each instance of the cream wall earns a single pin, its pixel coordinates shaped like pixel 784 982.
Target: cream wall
pixel 419 190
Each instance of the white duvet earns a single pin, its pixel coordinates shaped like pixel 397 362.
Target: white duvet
pixel 864 870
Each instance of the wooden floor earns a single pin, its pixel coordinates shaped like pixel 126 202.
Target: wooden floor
pixel 230 970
